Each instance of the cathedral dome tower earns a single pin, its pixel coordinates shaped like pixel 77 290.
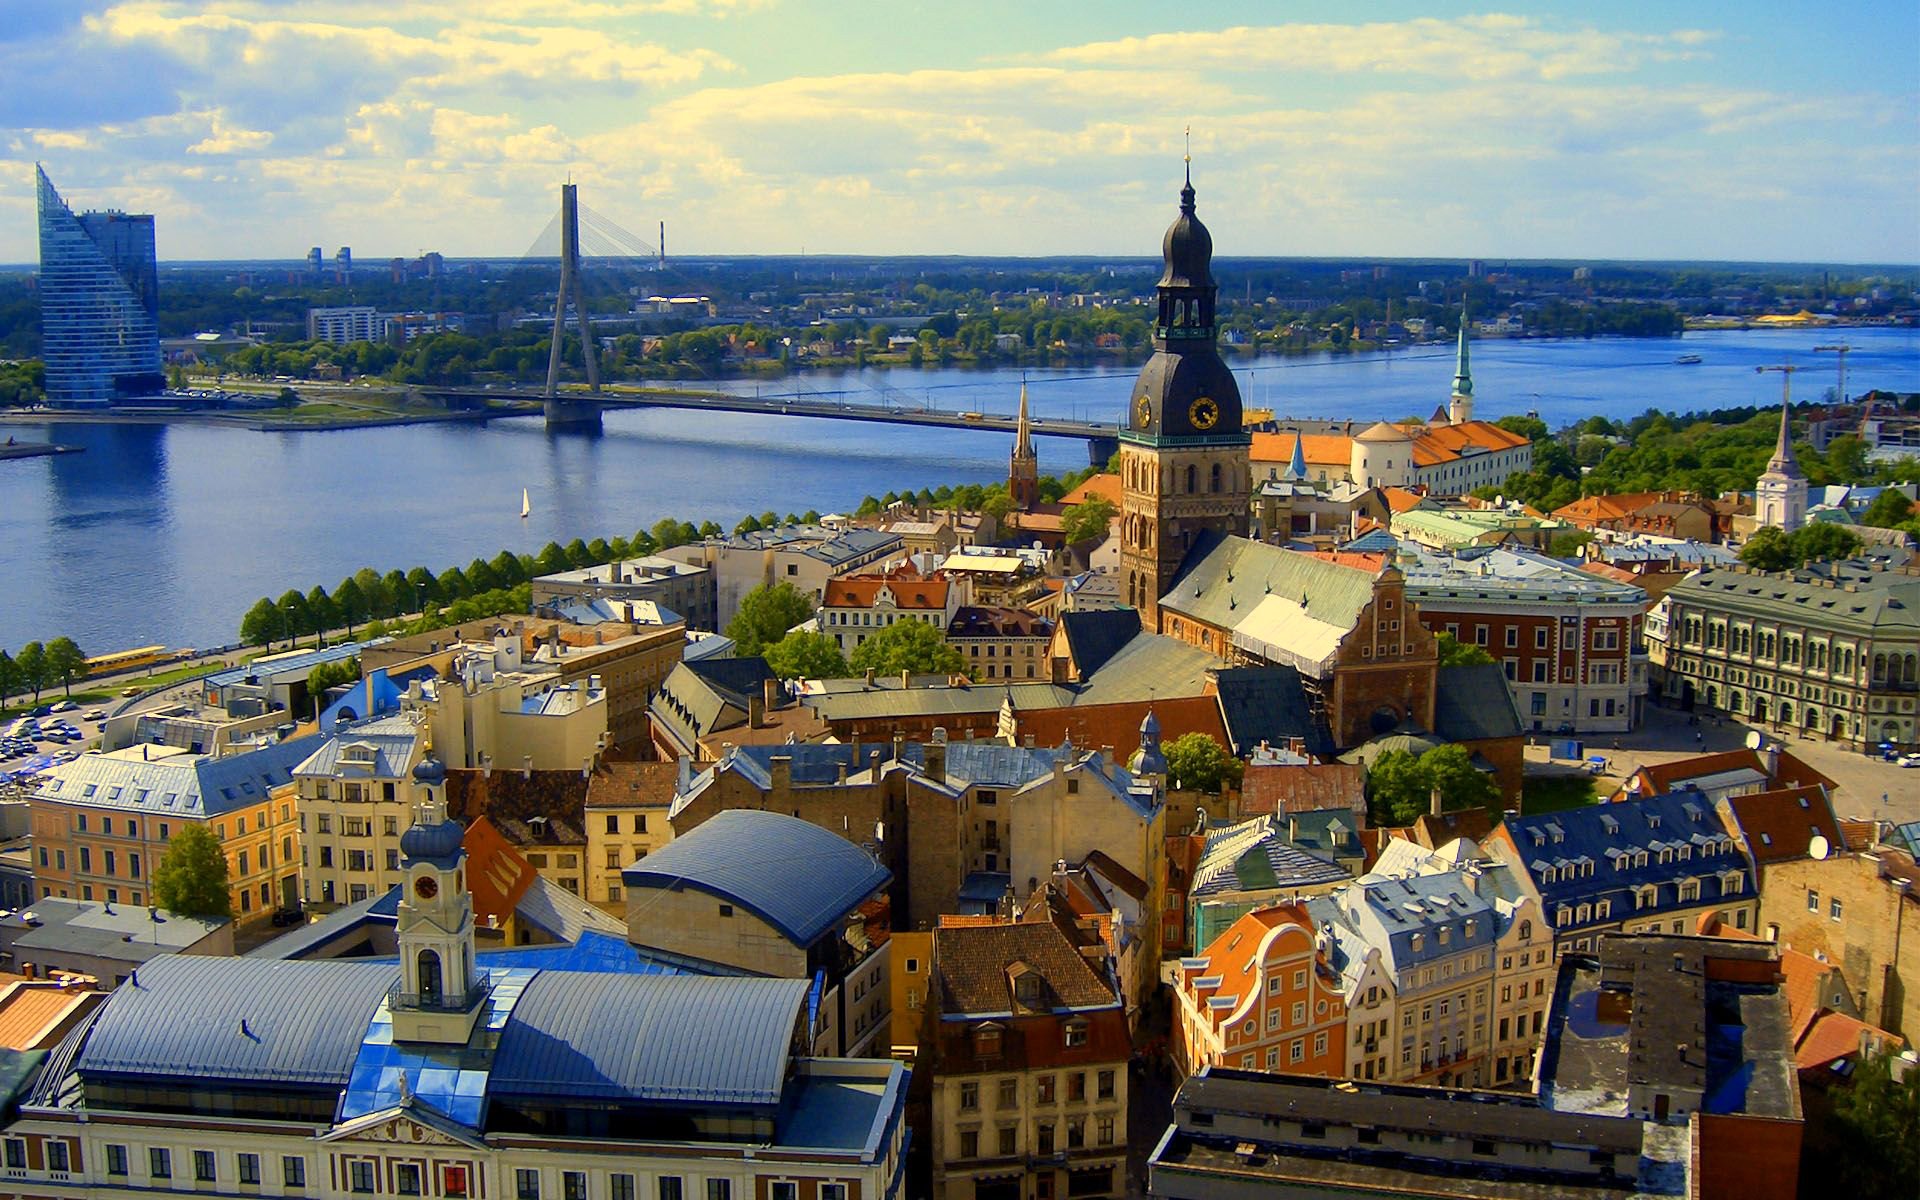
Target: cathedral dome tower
pixel 1183 452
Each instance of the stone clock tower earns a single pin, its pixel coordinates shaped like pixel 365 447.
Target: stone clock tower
pixel 1183 453
pixel 440 992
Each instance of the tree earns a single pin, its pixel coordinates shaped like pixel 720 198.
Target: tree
pixel 65 663
pixel 1087 519
pixel 804 655
pixel 1461 784
pixel 1876 1130
pixel 507 568
pixel 1824 539
pixel 350 602
pixel 1197 763
pixel 1768 550
pixel 322 612
pixel 295 618
pixel 1531 428
pixel 262 624
pixel 1888 509
pixel 765 615
pixel 32 663
pixel 191 878
pixel 422 588
pixel 9 676
pixel 911 646
pixel 1569 545
pixel 667 535
pixel 1397 788
pixel 1456 653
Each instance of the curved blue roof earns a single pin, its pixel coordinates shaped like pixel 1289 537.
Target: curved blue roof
pixel 649 1038
pixel 198 1017
pixel 792 874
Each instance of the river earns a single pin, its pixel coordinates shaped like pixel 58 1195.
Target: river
pixel 167 533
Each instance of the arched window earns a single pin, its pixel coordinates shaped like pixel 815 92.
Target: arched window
pixel 1216 487
pixel 1526 931
pixel 428 973
pixel 1193 479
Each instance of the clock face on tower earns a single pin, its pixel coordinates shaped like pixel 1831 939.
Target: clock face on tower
pixel 426 887
pixel 1204 413
pixel 1143 414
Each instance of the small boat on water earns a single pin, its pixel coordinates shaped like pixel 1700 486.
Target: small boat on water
pixel 526 505
pixel 1687 360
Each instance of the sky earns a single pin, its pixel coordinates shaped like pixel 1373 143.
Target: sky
pixel 257 128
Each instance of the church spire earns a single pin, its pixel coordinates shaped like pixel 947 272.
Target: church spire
pixel 1023 435
pixel 1023 466
pixel 1460 411
pixel 1297 466
pixel 1784 461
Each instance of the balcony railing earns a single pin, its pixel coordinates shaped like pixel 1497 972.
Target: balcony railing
pixel 440 1001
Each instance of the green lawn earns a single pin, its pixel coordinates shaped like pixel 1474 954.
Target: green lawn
pixel 1552 793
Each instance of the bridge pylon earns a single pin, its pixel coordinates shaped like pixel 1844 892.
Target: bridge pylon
pixel 561 412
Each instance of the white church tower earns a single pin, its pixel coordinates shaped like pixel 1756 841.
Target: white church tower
pixel 441 994
pixel 1780 494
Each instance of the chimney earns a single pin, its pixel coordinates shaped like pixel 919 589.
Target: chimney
pixel 869 676
pixel 906 679
pixel 771 694
pixel 936 752
pixel 1771 758
pixel 526 766
pixel 685 779
pixel 756 711
pixel 1433 802
pixel 899 746
pixel 780 768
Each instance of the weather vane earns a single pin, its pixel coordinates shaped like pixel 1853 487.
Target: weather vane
pixel 1189 153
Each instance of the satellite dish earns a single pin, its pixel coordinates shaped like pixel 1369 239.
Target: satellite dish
pixel 1817 847
pixel 1753 739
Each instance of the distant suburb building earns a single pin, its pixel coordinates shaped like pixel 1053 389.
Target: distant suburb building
pixel 805 556
pixel 1832 649
pixel 99 304
pixel 348 323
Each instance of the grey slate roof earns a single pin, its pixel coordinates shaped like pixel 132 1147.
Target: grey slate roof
pixel 1096 636
pixel 1151 664
pixel 1473 703
pixel 796 876
pixel 303 1022
pixel 391 738
pixel 562 915
pixel 1271 704
pixel 187 785
pixel 1883 603
pixel 665 1038
pixel 129 933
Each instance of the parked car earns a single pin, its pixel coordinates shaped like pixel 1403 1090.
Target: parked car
pixel 66 706
pixel 127 693
pixel 98 714
pixel 1910 760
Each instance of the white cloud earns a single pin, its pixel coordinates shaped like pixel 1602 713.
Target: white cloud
pixel 1494 46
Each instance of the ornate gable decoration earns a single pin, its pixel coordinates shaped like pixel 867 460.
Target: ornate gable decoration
pixel 402 1127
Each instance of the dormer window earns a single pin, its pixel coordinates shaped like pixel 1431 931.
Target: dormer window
pixel 1419 940
pixel 986 1041
pixel 1076 1033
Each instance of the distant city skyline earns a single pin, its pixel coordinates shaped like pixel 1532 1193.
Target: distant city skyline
pixel 256 129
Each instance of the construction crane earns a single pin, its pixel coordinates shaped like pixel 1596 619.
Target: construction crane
pixel 1786 381
pixel 1840 349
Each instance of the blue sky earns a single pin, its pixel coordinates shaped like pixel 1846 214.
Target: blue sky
pixel 256 128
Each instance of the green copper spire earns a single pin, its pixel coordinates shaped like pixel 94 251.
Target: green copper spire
pixel 1462 378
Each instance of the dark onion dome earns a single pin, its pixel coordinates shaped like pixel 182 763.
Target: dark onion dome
pixel 438 843
pixel 1187 247
pixel 430 770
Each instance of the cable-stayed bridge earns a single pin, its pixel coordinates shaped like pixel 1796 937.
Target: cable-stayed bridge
pixel 595 256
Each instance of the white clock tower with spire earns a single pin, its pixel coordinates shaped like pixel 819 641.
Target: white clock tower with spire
pixel 441 993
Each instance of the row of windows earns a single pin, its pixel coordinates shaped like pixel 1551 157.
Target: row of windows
pixel 160 1164
pixel 1044 1092
pixel 1007 1138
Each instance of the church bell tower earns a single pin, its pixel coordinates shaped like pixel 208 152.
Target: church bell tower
pixel 440 994
pixel 1183 454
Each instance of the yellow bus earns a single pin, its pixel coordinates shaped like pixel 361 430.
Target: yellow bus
pixel 127 660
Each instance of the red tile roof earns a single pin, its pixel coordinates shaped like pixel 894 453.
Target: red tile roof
pixel 1091 726
pixel 860 591
pixel 1779 825
pixel 633 784
pixel 1288 789
pixel 36 1013
pixel 1105 486
pixel 1659 778
pixel 1835 1036
pixel 497 874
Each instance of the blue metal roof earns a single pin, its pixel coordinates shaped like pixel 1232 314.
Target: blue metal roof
pixel 796 876
pixel 650 1038
pixel 596 952
pixel 450 1080
pixel 238 1020
pixel 1595 853
pixel 290 664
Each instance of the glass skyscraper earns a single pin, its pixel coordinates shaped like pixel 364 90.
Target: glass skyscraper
pixel 99 304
